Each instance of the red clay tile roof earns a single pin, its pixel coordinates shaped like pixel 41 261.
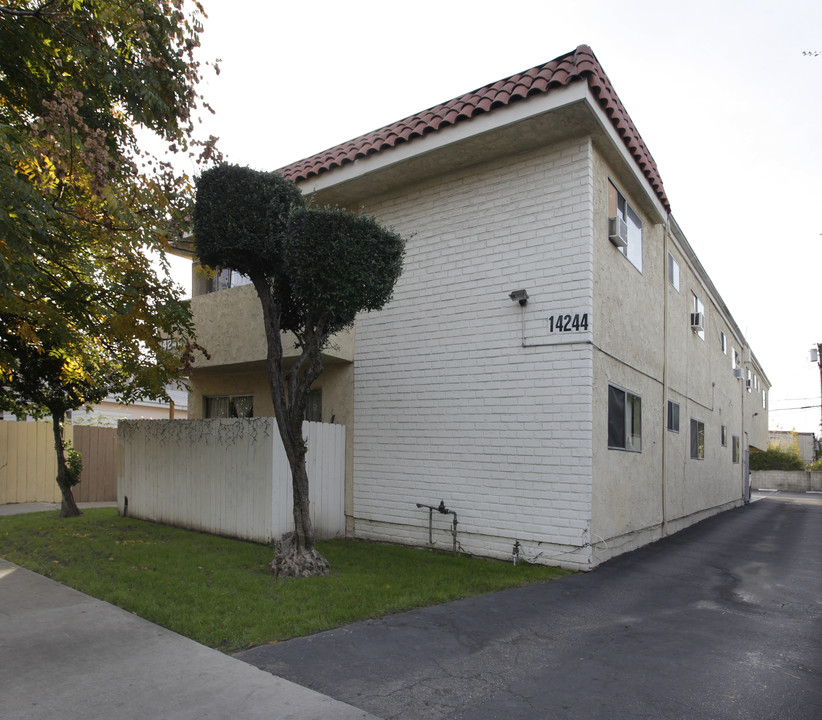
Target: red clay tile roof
pixel 574 66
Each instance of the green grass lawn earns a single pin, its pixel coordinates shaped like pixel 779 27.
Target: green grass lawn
pixel 219 592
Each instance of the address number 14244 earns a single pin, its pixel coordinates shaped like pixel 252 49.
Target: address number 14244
pixel 568 323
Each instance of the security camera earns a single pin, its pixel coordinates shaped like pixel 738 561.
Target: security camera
pixel 520 296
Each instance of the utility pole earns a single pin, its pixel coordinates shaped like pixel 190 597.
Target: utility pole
pixel 816 356
pixel 819 363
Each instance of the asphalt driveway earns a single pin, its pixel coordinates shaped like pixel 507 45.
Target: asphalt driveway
pixel 722 620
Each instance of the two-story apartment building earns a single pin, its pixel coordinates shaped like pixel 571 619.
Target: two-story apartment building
pixel 555 366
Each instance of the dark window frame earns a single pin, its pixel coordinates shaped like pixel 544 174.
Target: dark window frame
pixel 697 439
pixel 624 419
pixel 673 416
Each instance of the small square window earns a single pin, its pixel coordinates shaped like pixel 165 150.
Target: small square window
pixel 624 420
pixel 697 439
pixel 673 416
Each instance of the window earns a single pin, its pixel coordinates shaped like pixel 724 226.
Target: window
pixel 723 342
pixel 673 271
pixel 624 420
pixel 229 406
pixel 698 307
pixel 735 450
pixel 618 207
pixel 697 439
pixel 673 416
pixel 723 435
pixel 228 279
pixel 764 399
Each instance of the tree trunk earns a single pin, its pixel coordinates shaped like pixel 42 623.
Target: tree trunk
pixel 68 506
pixel 295 554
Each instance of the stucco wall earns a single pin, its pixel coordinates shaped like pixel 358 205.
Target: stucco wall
pixel 629 353
pixel 449 405
pixel 229 325
pixel 640 496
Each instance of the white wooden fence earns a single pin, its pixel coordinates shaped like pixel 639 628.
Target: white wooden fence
pixel 228 476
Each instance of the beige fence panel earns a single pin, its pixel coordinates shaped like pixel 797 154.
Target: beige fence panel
pixel 224 476
pixel 28 463
pixel 325 464
pixel 98 446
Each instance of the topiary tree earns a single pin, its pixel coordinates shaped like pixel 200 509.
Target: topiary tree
pixel 313 269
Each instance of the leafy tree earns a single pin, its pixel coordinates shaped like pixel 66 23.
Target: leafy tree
pixel 47 382
pixel 313 269
pixel 83 312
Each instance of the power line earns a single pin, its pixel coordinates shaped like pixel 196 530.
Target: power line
pixel 803 407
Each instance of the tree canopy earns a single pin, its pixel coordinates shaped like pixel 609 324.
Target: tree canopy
pixel 313 269
pixel 83 207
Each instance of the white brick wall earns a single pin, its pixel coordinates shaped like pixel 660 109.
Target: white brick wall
pixel 448 404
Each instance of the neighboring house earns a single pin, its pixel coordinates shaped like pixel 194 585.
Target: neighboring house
pixel 805 441
pixel 109 411
pixel 555 366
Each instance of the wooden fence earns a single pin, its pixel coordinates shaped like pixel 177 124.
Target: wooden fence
pixel 228 476
pixel 28 464
pixel 98 446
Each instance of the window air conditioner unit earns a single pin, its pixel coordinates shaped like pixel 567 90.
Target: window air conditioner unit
pixel 697 322
pixel 618 231
pixel 738 373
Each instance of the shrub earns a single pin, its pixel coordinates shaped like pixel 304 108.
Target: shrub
pixel 74 464
pixel 776 458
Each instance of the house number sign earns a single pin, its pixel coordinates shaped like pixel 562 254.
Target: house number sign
pixel 570 323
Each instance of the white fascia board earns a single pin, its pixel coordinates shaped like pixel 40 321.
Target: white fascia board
pixel 486 122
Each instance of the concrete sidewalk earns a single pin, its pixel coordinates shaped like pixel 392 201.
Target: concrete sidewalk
pixel 66 655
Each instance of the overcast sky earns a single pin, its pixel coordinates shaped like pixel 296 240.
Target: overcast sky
pixel 721 92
